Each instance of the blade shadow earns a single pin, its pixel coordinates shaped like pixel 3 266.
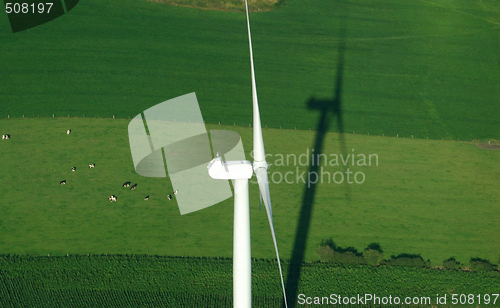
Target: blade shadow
pixel 330 112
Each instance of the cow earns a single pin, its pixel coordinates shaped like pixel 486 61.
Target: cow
pixel 169 197
pixel 68 132
pixel 133 186
pixel 63 182
pixel 112 198
pixel 146 198
pixel 91 166
pixel 6 136
pixel 126 184
pixel 73 169
pixel 175 192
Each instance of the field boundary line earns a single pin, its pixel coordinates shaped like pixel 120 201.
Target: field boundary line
pixel 387 38
pixel 280 128
pixel 462 12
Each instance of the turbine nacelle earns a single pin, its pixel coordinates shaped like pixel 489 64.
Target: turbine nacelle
pixel 229 170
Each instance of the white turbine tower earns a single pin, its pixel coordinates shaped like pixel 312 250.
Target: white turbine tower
pixel 240 172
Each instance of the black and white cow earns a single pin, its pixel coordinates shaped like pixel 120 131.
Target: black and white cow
pixel 68 132
pixel 112 198
pixel 91 166
pixel 169 197
pixel 73 169
pixel 133 186
pixel 146 198
pixel 175 192
pixel 63 182
pixel 6 136
pixel 126 184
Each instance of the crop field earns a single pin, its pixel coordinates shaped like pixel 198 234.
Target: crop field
pixel 152 281
pixel 381 121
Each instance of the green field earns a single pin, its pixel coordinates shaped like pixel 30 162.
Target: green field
pixel 425 68
pixel 151 281
pixel 413 85
pixel 437 198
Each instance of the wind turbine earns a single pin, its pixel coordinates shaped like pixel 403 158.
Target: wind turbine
pixel 173 134
pixel 240 172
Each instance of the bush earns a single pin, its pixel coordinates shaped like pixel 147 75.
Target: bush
pixel 374 246
pixel 328 251
pixel 329 242
pixel 372 257
pixel 348 258
pixel 325 253
pixel 479 265
pixel 405 259
pixel 452 264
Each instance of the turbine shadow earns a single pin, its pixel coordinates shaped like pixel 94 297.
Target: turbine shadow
pixel 330 112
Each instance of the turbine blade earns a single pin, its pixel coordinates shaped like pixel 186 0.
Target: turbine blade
pixel 261 174
pixel 260 155
pixel 258 142
pixel 260 201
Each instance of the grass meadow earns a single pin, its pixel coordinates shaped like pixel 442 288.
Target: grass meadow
pixel 415 84
pixel 425 68
pixel 431 197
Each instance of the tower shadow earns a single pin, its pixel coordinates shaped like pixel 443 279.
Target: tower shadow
pixel 330 111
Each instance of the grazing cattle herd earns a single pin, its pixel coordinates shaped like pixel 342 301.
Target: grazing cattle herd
pixel 111 198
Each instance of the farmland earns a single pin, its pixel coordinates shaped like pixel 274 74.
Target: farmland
pixel 155 281
pixel 429 68
pixel 411 87
pixel 433 197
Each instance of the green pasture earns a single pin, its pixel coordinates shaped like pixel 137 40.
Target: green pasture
pixel 430 197
pixel 422 68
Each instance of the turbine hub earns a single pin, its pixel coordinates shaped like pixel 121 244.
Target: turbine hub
pixel 259 164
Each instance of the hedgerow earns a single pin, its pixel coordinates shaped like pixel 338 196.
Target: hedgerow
pixel 328 251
